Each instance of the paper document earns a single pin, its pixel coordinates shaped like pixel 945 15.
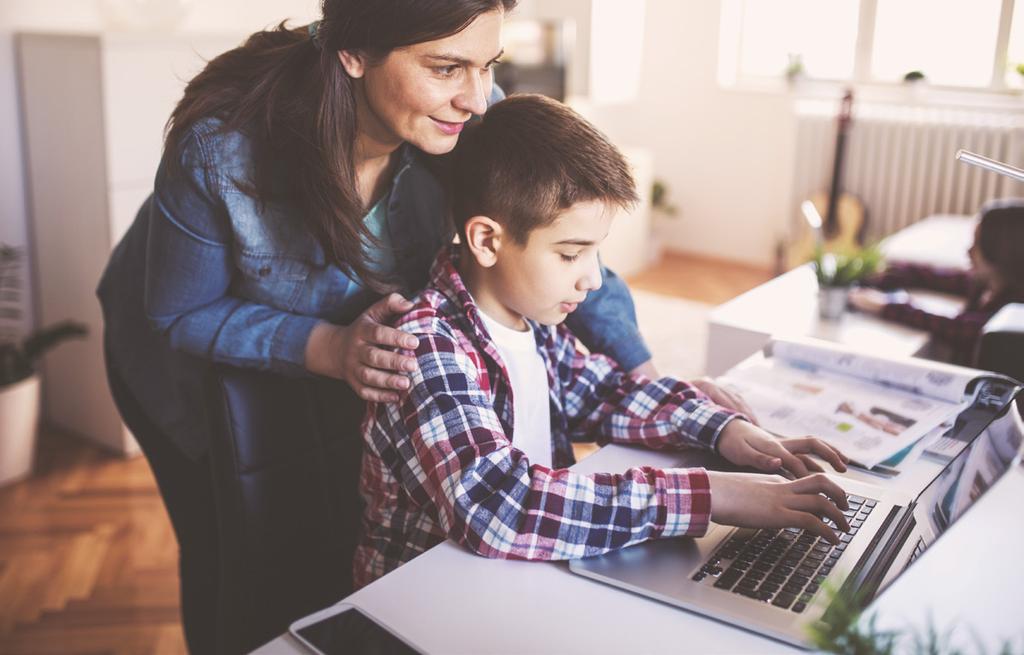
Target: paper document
pixel 870 408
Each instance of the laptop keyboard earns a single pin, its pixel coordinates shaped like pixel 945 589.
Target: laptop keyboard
pixel 782 567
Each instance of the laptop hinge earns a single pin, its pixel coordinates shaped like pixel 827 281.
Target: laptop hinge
pixel 861 585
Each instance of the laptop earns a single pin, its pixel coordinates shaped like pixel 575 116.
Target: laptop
pixel 771 581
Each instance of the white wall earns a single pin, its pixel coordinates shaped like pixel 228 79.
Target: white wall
pixel 727 156
pixel 83 15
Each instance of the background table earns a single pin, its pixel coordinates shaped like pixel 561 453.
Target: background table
pixel 787 306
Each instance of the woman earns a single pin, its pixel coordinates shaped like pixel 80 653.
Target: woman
pixel 296 189
pixel 995 279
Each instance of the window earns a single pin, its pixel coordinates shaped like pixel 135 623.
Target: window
pixel 1015 50
pixel 975 44
pixel 953 43
pixel 772 32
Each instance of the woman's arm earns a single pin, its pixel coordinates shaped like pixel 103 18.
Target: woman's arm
pixel 189 275
pixel 189 270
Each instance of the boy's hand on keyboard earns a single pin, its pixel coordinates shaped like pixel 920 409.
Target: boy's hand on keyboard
pixel 745 444
pixel 755 500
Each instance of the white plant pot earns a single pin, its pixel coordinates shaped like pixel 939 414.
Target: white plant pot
pixel 19 422
pixel 832 302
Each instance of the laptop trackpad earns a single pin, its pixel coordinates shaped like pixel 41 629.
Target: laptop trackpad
pixel 652 560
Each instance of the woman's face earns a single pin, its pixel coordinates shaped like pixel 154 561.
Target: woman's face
pixel 425 93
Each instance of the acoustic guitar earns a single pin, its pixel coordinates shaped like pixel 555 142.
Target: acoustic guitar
pixel 844 216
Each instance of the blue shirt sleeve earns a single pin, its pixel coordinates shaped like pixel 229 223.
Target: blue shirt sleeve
pixel 606 323
pixel 189 273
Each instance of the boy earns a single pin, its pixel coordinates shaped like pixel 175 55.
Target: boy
pixel 478 449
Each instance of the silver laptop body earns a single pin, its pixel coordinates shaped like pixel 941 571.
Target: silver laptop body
pixel 704 574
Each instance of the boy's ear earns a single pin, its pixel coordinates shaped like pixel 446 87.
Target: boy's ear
pixel 483 238
pixel 353 61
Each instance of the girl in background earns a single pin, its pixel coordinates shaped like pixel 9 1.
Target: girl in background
pixel 995 279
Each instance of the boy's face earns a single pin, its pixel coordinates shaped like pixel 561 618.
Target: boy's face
pixel 545 279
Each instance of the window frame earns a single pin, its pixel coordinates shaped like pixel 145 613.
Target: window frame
pixel 730 75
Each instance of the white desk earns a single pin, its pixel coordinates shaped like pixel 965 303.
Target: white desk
pixel 451 601
pixel 787 306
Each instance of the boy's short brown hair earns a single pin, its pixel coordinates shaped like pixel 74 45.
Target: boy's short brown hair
pixel 528 159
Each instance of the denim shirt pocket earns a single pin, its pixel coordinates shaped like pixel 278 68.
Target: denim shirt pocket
pixel 271 279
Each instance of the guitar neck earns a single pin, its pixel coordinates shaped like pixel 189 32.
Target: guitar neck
pixel 837 187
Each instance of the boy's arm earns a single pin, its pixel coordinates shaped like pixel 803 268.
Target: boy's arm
pixel 604 403
pixel 447 445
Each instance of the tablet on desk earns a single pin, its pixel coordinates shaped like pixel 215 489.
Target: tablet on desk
pixel 345 630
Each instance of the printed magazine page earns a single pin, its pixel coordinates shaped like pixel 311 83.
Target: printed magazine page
pixel 870 416
pixel 926 378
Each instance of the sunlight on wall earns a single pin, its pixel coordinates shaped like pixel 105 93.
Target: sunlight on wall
pixel 939 38
pixel 616 50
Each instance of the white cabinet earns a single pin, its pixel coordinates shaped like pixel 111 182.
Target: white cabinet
pixel 627 248
pixel 94 108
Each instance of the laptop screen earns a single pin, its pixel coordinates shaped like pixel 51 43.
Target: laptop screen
pixel 968 476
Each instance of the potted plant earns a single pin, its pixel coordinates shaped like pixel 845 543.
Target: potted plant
pixel 663 210
pixel 837 272
pixel 19 382
pixel 794 71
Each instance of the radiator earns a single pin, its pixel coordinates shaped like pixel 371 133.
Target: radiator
pixel 900 160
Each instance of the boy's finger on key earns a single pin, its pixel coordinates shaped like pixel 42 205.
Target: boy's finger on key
pixel 813 524
pixel 793 464
pixel 811 465
pixel 819 483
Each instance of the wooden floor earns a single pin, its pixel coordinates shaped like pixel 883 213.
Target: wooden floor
pixel 88 561
pixel 703 279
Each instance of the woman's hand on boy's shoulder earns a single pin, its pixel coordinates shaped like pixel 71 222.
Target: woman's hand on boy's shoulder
pixel 363 353
pixel 745 444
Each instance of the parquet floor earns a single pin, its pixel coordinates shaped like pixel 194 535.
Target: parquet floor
pixel 88 561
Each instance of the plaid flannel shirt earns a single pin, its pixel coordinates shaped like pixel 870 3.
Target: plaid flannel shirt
pixel 960 332
pixel 442 463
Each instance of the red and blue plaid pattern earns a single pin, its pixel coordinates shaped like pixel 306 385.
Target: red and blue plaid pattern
pixel 442 463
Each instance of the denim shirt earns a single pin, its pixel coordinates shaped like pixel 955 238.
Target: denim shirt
pixel 206 273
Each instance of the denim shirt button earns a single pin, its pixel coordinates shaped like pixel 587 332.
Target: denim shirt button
pixel 264 271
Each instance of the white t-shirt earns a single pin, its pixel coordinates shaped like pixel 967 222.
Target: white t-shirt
pixel 530 406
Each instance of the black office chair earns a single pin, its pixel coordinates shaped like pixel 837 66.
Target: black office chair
pixel 1001 346
pixel 285 454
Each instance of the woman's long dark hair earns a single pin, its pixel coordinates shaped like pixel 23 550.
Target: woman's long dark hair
pixel 294 101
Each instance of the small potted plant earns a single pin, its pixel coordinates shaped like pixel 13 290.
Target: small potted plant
pixel 794 71
pixel 19 382
pixel 663 210
pixel 837 272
